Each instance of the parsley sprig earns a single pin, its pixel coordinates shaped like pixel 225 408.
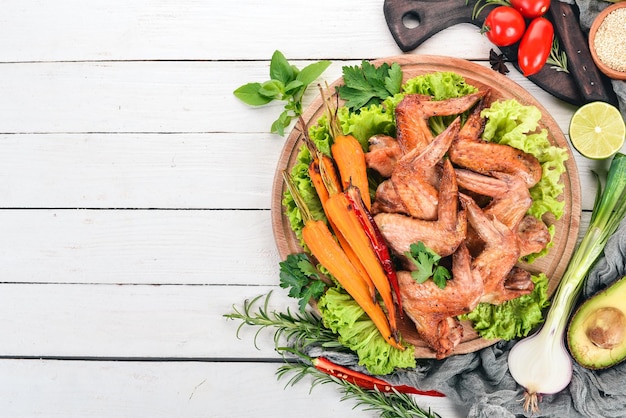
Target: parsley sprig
pixel 427 262
pixel 367 84
pixel 303 280
pixel 287 83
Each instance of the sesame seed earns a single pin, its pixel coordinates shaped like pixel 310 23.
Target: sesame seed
pixel 610 41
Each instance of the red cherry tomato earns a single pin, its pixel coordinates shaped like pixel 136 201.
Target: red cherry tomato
pixel 531 9
pixel 504 26
pixel 534 49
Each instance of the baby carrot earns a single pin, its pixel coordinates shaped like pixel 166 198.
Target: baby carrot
pixel 347 153
pixel 323 176
pixel 327 251
pixel 350 159
pixel 342 213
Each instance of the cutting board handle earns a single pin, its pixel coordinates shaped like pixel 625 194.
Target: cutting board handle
pixel 428 18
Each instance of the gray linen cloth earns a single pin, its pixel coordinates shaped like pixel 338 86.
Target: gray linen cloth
pixel 482 383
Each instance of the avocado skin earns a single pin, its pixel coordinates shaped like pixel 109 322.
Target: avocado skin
pixel 585 352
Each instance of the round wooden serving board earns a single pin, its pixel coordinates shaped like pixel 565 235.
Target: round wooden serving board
pixel 553 265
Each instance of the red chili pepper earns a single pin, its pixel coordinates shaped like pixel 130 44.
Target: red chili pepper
pixel 366 381
pixel 535 47
pixel 376 239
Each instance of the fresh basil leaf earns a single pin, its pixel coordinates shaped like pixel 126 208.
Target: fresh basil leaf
pixel 287 83
pixel 280 69
pixel 272 89
pixel 249 94
pixel 309 73
pixel 292 87
pixel 279 125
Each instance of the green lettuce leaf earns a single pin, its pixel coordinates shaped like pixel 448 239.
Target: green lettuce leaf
pixel 511 123
pixel 514 318
pixel 342 315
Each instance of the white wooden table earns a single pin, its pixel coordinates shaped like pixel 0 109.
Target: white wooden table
pixel 135 199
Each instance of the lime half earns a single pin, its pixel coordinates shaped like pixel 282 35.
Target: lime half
pixel 597 130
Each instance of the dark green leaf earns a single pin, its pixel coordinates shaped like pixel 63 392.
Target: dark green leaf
pixel 427 263
pixel 393 81
pixel 298 274
pixel 249 94
pixel 314 290
pixel 280 69
pixel 287 83
pixel 441 276
pixel 368 84
pixel 355 99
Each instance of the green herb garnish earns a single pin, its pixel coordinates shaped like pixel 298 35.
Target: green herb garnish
pixel 427 262
pixel 287 83
pixel 367 84
pixel 302 278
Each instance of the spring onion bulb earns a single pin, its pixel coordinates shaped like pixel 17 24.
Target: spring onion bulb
pixel 540 363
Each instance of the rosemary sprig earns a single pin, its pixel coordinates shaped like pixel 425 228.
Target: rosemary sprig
pixel 557 58
pixel 388 405
pixel 300 329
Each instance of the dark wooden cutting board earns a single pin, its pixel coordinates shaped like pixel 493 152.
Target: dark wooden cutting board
pixel 582 84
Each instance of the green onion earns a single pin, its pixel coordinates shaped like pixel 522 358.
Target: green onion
pixel 540 363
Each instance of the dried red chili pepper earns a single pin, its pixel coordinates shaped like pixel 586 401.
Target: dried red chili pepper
pixel 376 239
pixel 366 381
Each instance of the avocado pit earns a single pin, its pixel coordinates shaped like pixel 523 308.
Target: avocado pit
pixel 606 327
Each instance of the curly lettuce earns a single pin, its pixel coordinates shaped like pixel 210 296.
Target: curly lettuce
pixel 342 315
pixel 511 123
pixel 514 318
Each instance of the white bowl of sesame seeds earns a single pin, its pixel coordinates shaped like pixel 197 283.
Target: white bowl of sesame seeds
pixel 607 41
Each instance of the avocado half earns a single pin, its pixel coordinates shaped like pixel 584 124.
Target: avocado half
pixel 596 335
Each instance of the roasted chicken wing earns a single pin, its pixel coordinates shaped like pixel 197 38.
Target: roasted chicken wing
pixel 433 310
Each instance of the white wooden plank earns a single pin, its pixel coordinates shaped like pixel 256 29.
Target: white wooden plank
pixel 177 171
pixel 192 30
pixel 138 246
pixel 156 97
pixel 94 389
pixel 201 171
pixel 122 321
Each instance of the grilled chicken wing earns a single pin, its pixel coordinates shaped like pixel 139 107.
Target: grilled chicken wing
pixel 487 157
pixel 413 112
pixel 433 310
pixel 499 256
pixel 470 151
pixel 383 153
pixel 415 177
pixel 442 235
pixel 532 235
